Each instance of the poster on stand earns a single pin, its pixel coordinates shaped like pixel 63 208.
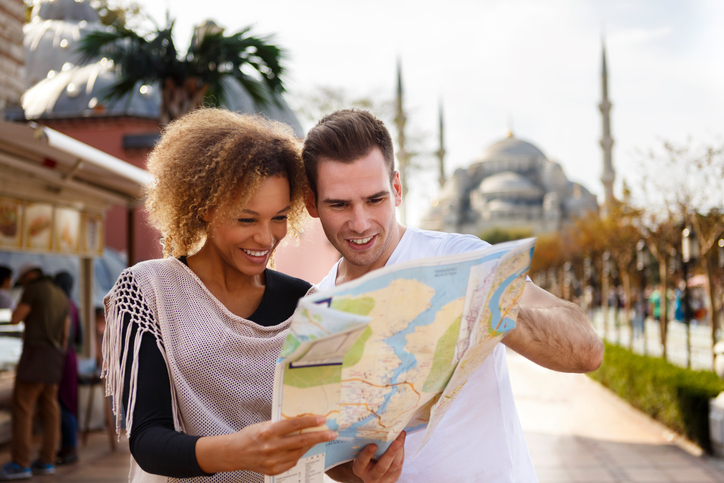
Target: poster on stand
pixel 67 230
pixel 11 218
pixel 38 226
pixel 92 235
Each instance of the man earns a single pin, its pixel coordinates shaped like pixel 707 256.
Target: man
pixel 349 160
pixel 44 308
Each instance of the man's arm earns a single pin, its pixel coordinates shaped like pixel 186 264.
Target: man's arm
pixel 20 313
pixel 66 332
pixel 554 333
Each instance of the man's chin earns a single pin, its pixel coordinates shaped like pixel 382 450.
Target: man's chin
pixel 360 258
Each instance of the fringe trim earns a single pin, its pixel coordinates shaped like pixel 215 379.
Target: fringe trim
pixel 126 297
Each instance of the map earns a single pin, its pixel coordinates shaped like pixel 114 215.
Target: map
pixel 391 350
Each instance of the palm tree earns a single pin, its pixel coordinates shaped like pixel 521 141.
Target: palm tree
pixel 196 78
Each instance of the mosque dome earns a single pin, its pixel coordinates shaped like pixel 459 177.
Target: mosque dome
pixel 510 184
pixel 51 37
pixel 60 88
pixel 80 91
pixel 71 10
pixel 553 177
pixel 510 147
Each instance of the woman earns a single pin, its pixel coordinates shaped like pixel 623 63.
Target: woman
pixel 68 387
pixel 191 340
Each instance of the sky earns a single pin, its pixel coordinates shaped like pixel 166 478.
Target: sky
pixel 530 64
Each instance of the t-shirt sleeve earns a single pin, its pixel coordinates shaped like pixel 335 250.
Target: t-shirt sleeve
pixel 462 244
pixel 154 444
pixel 28 295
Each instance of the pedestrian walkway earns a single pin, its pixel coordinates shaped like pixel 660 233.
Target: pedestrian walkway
pixel 578 431
pixel 97 463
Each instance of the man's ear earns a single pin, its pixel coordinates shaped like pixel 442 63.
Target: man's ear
pixel 397 188
pixel 311 203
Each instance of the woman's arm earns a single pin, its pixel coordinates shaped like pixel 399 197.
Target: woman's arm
pixel 268 448
pixel 154 444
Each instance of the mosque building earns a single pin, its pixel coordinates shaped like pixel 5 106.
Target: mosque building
pixel 513 186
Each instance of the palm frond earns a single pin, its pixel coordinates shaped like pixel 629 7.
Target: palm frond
pixel 217 56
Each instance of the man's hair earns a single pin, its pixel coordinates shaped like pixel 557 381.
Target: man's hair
pixel 345 136
pixel 5 273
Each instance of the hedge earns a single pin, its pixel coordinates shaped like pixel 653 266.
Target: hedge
pixel 677 397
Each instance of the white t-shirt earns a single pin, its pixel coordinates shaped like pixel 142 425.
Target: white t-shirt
pixel 480 439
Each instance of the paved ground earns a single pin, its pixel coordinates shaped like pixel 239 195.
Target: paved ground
pixel 97 463
pixel 576 430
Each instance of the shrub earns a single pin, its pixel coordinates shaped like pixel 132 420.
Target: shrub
pixel 677 397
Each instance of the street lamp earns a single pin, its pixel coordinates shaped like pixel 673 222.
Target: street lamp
pixel 567 267
pixel 721 252
pixel 689 252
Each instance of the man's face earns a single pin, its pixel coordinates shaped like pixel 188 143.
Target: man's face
pixel 356 204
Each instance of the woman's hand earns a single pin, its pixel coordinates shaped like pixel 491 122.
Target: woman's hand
pixel 267 448
pixel 364 469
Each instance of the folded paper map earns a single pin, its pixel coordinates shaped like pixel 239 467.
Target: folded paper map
pixel 391 350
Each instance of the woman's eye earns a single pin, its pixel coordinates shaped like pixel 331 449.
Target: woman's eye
pixel 281 218
pixel 245 220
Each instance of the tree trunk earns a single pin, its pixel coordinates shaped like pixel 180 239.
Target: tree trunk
pixel 626 279
pixel 177 100
pixel 709 268
pixel 664 305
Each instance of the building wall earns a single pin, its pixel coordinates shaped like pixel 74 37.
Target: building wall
pixel 12 55
pixel 106 134
pixel 309 259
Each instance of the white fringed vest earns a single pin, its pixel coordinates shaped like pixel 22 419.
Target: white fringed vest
pixel 221 366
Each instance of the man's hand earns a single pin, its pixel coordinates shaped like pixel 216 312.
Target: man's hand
pixel 554 333
pixel 366 470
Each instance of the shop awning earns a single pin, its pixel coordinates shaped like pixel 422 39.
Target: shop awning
pixel 40 163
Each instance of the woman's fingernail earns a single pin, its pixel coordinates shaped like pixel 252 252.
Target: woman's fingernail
pixel 321 420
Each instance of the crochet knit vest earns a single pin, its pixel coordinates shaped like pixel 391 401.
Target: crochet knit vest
pixel 220 365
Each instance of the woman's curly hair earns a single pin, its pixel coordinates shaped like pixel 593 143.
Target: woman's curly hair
pixel 209 158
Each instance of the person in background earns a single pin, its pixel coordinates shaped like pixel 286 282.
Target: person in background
pixel 68 388
pixel 43 307
pixel 6 277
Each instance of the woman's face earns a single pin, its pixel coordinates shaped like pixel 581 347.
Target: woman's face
pixel 247 236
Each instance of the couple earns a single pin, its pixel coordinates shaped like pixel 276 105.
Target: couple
pixel 192 340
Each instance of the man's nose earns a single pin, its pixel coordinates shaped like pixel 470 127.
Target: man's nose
pixel 360 219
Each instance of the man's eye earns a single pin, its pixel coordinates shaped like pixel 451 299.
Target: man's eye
pixel 375 201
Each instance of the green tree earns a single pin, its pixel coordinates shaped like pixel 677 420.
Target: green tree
pixel 499 235
pixel 682 182
pixel 197 77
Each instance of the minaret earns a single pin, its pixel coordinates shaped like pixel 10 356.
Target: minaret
pixel 609 175
pixel 441 152
pixel 402 155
